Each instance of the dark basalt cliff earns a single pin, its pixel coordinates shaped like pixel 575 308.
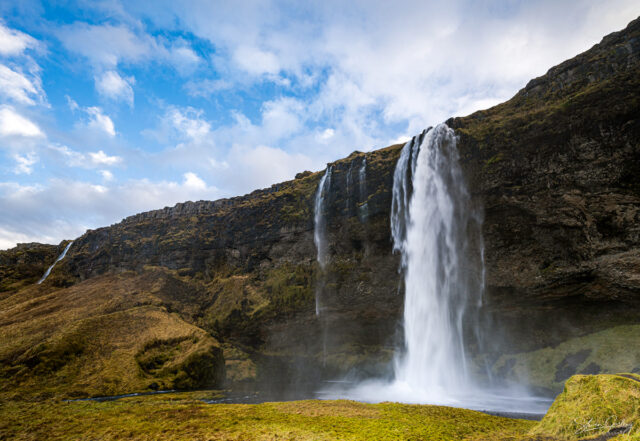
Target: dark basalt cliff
pixel 556 171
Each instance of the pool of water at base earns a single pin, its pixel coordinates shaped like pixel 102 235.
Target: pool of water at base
pixel 505 406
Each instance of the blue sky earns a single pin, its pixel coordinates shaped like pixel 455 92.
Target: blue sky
pixel 109 108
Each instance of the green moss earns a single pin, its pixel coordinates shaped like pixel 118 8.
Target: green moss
pixel 289 288
pixel 184 417
pixel 591 405
pixel 493 160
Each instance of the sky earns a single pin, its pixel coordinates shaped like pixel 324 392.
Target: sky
pixel 109 108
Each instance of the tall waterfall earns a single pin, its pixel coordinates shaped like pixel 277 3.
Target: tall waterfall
pixel 320 226
pixel 60 257
pixel 431 222
pixel 438 234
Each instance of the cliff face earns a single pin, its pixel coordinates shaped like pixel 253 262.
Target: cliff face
pixel 555 170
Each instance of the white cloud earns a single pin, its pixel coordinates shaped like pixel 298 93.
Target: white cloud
pixel 282 117
pixel 262 166
pixel 192 180
pixel 14 124
pixel 189 123
pixel 106 46
pixel 106 175
pixel 25 163
pixel 111 85
pixel 98 120
pixel 183 58
pixel 17 87
pixel 256 61
pixel 326 134
pixel 74 158
pixel 207 87
pixel 14 42
pixel 101 158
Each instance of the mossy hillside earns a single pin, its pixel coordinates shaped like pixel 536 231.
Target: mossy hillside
pixel 591 405
pixel 180 417
pixel 608 351
pixel 104 336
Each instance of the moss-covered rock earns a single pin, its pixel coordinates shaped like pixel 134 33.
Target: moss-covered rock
pixel 593 405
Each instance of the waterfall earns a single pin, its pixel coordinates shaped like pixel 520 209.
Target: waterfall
pixel 363 210
pixel 438 234
pixel 320 225
pixel 430 224
pixel 60 257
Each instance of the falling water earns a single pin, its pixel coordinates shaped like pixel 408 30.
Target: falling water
pixel 438 235
pixel 60 257
pixel 430 218
pixel 320 226
pixel 363 211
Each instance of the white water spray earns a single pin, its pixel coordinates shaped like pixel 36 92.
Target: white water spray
pixel 60 257
pixel 320 227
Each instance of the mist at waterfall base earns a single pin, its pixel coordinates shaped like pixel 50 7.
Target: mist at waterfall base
pixel 438 235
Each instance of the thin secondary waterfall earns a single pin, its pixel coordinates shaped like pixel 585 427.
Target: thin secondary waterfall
pixel 60 257
pixel 430 218
pixel 363 210
pixel 320 226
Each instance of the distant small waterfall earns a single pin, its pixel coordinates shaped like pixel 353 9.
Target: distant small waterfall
pixel 320 227
pixel 363 209
pixel 60 257
pixel 349 179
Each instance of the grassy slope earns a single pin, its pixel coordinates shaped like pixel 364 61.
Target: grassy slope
pixel 182 417
pixel 104 336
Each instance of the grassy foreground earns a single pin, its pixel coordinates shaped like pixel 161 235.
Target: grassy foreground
pixel 185 417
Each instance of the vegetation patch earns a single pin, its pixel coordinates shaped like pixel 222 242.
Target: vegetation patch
pixel 593 405
pixel 105 336
pixel 185 417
